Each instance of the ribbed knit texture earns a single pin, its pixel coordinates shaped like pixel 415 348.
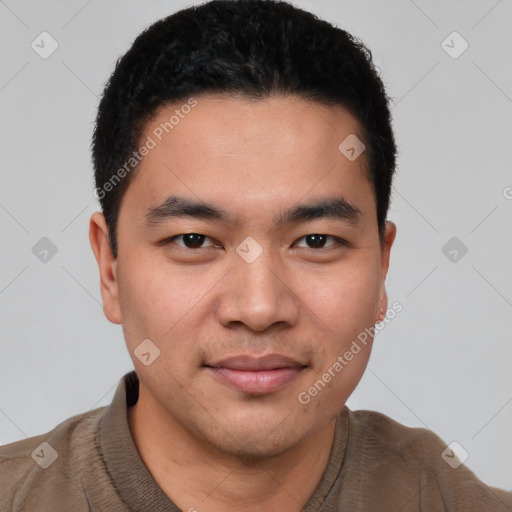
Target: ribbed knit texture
pixel 375 465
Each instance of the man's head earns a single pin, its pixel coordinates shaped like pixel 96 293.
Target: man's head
pixel 263 135
pixel 255 49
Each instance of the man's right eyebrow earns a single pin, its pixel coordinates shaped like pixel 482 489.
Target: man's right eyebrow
pixel 175 207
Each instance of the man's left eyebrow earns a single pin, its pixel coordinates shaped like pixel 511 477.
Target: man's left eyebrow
pixel 336 208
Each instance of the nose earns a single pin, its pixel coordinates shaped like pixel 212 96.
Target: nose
pixel 258 295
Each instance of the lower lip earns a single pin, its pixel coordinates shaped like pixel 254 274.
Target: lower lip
pixel 256 382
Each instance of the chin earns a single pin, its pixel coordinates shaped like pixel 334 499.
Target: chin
pixel 253 452
pixel 255 445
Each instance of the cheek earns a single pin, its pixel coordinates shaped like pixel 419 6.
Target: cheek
pixel 341 307
pixel 344 299
pixel 161 303
pixel 151 300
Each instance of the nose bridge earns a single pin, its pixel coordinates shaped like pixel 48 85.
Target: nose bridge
pixel 256 292
pixel 260 284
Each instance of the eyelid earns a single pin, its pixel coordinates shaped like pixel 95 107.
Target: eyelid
pixel 172 239
pixel 338 241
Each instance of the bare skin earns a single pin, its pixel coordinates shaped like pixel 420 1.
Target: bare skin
pixel 210 445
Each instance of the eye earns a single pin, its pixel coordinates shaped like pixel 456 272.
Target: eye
pixel 317 241
pixel 190 240
pixel 196 241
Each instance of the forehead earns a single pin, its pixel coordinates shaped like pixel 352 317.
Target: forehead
pixel 249 154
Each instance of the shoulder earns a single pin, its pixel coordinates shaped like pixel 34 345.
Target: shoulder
pixel 48 463
pixel 384 434
pixel 402 457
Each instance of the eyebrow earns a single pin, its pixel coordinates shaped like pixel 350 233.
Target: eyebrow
pixel 336 208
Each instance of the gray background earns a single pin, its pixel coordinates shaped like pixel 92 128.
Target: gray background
pixel 443 362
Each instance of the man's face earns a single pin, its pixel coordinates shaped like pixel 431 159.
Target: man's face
pixel 249 286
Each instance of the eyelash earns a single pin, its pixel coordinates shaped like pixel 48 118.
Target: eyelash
pixel 339 241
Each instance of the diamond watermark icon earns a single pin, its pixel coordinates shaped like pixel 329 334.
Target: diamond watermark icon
pixel 351 147
pixel 249 250
pixel 146 352
pixel 45 455
pixel 44 45
pixel 44 250
pixel 454 455
pixel 454 249
pixel 454 45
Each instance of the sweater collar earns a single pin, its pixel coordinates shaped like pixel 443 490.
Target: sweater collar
pixel 130 475
pixel 133 480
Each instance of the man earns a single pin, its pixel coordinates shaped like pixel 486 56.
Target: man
pixel 243 159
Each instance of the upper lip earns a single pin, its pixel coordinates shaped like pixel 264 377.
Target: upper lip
pixel 252 363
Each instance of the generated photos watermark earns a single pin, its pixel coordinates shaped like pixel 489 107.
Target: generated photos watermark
pixel 151 142
pixel 304 397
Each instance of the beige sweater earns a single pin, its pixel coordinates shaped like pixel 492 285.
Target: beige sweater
pixel 376 465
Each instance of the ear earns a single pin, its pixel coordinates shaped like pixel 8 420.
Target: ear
pixel 98 236
pixel 385 251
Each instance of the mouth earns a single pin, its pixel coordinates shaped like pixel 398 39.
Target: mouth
pixel 256 375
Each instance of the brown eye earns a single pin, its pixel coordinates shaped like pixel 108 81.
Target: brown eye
pixel 318 241
pixel 190 240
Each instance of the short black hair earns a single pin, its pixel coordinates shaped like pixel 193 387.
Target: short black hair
pixel 253 48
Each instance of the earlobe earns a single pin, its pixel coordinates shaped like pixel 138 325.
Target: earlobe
pixel 387 243
pixel 382 306
pixel 107 264
pixel 389 238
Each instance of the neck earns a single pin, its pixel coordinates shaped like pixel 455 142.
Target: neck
pixel 197 477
